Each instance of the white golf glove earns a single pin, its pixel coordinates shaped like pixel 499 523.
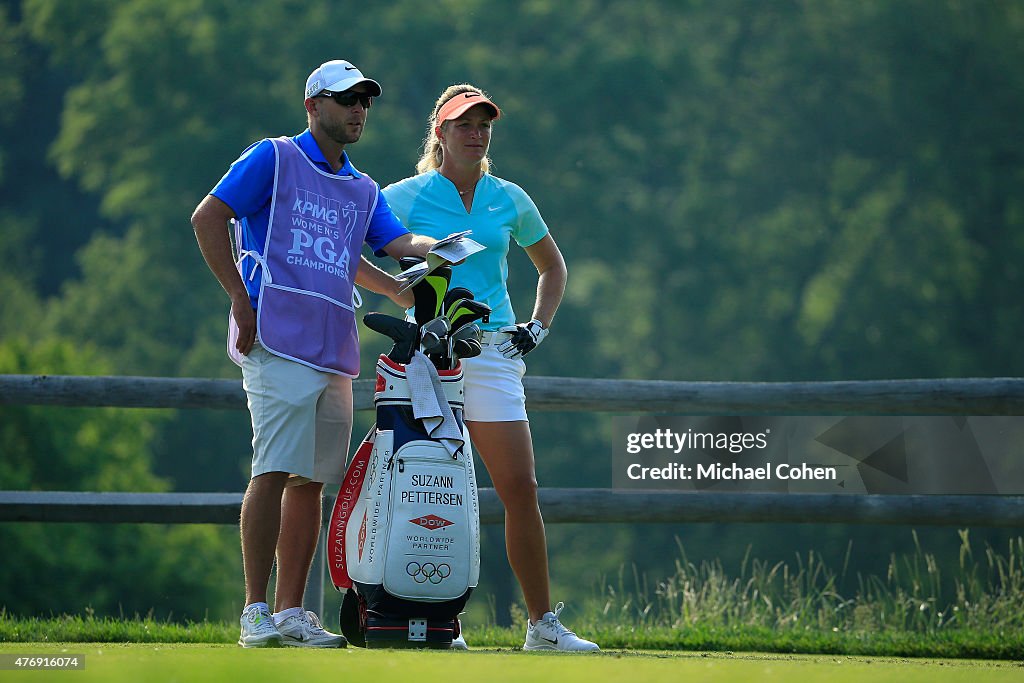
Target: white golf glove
pixel 525 338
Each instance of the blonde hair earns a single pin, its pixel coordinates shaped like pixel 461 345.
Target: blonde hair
pixel 433 153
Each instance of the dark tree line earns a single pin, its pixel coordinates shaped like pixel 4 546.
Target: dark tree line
pixel 743 190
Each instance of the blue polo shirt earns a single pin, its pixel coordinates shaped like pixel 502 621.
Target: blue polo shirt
pixel 248 186
pixel 428 204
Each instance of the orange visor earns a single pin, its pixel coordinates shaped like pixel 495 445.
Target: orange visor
pixel 457 106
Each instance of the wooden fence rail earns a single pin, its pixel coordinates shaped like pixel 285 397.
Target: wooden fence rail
pixel 995 396
pixel 981 396
pixel 559 506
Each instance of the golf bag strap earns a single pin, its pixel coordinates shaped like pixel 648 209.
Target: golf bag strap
pixel 343 505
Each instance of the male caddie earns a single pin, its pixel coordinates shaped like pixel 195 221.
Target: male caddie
pixel 301 212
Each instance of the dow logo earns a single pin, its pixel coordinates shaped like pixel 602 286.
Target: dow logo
pixel 431 522
pixel 362 536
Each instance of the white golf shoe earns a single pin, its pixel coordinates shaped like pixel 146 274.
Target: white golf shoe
pixel 550 634
pixel 304 630
pixel 258 628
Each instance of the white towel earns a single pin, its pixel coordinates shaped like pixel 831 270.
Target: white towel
pixel 429 404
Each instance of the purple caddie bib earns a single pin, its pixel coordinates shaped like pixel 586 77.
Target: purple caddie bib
pixel 318 222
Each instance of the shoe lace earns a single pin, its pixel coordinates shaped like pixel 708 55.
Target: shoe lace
pixel 314 622
pixel 261 619
pixel 559 627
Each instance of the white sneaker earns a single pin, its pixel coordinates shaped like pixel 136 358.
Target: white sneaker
pixel 459 643
pixel 550 634
pixel 258 628
pixel 304 630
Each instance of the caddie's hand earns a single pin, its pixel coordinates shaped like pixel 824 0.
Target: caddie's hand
pixel 405 299
pixel 245 318
pixel 525 338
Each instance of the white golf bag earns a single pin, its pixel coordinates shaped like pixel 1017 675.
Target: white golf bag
pixel 404 537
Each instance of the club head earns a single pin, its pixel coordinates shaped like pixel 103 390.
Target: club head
pixel 465 343
pixel 467 332
pixel 442 355
pixel 466 311
pixel 429 293
pixel 433 334
pixel 453 295
pixel 405 334
pixel 467 348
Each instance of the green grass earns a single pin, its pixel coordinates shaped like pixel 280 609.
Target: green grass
pixel 959 643
pixel 974 608
pixel 115 663
pixel 778 608
pixel 916 595
pixel 77 629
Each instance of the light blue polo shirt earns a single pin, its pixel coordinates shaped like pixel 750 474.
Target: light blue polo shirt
pixel 249 183
pixel 428 204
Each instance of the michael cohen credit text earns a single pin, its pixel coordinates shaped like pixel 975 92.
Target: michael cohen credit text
pixel 808 454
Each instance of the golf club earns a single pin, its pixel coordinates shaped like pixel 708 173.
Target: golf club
pixel 405 334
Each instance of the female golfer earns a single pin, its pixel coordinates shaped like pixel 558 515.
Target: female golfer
pixel 454 191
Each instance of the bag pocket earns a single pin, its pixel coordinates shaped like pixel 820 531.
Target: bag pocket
pixel 430 553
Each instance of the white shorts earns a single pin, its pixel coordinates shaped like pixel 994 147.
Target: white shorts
pixel 494 385
pixel 301 418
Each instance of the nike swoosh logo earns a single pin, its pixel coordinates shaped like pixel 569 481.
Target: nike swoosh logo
pixel 493 208
pixel 472 94
pixel 350 68
pixel 553 642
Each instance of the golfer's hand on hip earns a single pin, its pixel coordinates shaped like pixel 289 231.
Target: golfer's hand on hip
pixel 525 338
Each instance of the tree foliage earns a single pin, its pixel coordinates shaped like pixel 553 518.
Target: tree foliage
pixel 792 190
pixel 112 569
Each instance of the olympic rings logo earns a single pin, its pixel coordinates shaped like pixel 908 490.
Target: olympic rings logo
pixel 428 571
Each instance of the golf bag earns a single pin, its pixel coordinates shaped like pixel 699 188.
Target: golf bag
pixel 404 536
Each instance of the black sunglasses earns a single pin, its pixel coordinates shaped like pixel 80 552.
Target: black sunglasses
pixel 349 98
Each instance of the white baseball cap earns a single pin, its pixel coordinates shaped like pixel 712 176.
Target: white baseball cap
pixel 337 76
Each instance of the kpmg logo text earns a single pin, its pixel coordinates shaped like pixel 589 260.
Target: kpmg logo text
pixel 316 207
pixel 323 225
